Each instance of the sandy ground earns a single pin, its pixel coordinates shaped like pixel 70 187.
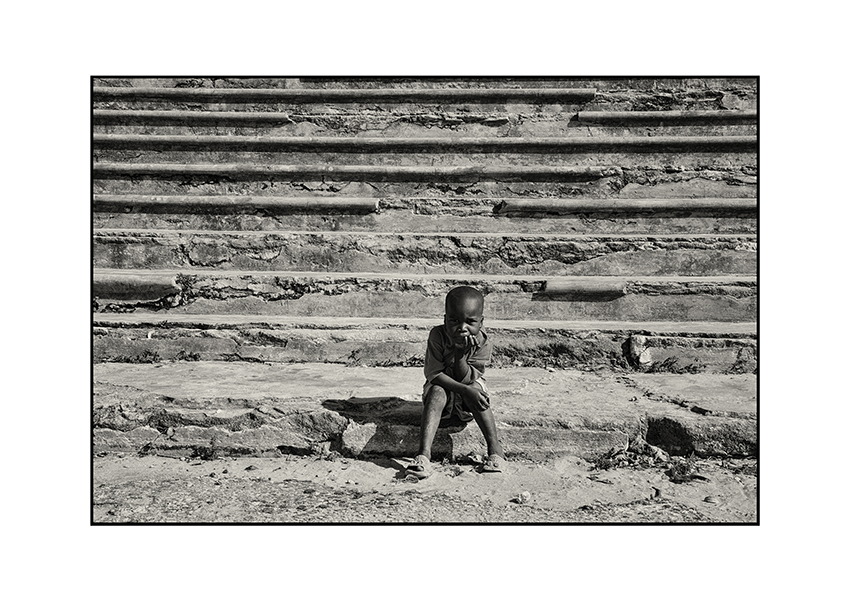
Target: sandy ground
pixel 334 489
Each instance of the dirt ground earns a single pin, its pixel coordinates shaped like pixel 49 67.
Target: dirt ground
pixel 334 489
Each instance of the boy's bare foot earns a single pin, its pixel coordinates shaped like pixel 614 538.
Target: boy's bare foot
pixel 420 468
pixel 494 463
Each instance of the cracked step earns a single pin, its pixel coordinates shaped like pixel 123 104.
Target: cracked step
pixel 657 144
pixel 249 409
pixel 666 179
pixel 426 214
pixel 681 347
pixel 612 93
pixel 422 164
pixel 422 253
pixel 422 121
pixel 165 117
pixel 722 298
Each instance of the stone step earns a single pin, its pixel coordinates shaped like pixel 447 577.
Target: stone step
pixel 239 204
pixel 722 298
pixel 274 172
pixel 347 95
pixel 425 215
pixel 697 86
pixel 611 93
pixel 680 347
pixel 204 408
pixel 629 206
pixel 412 253
pixel 664 179
pixel 666 117
pixel 245 118
pixel 579 165
pixel 420 121
pixel 362 145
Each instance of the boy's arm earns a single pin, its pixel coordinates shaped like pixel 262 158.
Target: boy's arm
pixel 462 371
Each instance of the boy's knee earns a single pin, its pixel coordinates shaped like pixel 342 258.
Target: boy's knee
pixel 437 394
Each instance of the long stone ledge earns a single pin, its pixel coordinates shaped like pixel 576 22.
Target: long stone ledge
pixel 243 95
pixel 662 117
pixel 647 328
pixel 357 172
pixel 161 233
pixel 276 204
pixel 110 116
pixel 470 144
pixel 106 274
pixel 560 206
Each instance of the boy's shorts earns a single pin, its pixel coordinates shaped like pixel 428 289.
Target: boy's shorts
pixel 457 408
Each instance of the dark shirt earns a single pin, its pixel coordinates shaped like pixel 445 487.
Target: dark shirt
pixel 439 356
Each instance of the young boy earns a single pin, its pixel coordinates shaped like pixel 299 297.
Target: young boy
pixel 455 359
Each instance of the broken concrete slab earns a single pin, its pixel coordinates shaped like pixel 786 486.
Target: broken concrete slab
pixel 239 408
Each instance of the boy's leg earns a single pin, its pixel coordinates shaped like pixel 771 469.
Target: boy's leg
pixel 487 423
pixel 435 401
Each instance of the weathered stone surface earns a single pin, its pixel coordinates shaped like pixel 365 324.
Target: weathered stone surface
pixel 436 215
pixel 732 395
pixel 661 180
pixel 685 255
pixel 209 407
pixel 389 296
pixel 684 348
pixel 713 307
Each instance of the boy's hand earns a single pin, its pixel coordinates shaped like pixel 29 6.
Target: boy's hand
pixel 469 342
pixel 476 397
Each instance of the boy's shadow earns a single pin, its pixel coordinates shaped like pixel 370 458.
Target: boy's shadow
pixel 396 432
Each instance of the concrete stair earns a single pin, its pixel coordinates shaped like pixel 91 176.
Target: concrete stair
pixel 205 409
pixel 611 224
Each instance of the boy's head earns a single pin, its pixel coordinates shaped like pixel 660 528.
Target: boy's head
pixel 464 312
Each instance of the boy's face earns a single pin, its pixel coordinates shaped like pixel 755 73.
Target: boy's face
pixel 464 318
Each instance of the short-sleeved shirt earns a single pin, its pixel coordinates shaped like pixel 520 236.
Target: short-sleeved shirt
pixel 439 356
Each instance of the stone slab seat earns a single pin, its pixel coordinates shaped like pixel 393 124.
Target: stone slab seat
pixel 440 144
pixel 256 409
